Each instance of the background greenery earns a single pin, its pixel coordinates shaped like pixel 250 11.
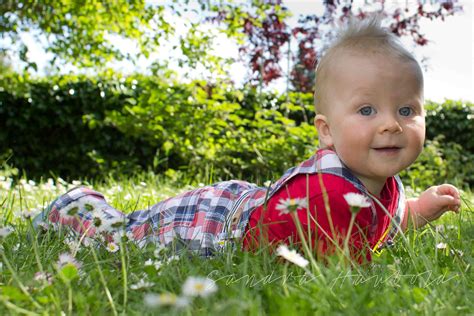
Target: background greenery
pixel 77 126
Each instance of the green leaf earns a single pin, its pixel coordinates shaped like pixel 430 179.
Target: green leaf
pixel 12 293
pixel 419 294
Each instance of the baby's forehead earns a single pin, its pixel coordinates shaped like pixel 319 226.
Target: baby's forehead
pixel 369 75
pixel 351 54
pixel 369 53
pixel 358 57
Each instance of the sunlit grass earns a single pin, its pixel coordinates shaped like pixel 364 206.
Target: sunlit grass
pixel 428 272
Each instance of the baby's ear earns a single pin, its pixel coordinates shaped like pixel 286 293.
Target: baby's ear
pixel 322 125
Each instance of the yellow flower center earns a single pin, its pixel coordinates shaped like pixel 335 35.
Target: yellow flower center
pixel 199 287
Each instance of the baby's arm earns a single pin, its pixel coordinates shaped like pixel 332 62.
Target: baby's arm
pixel 431 204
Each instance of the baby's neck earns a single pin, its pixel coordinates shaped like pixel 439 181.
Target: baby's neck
pixel 374 186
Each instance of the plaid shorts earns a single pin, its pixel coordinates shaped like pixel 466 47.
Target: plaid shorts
pixel 198 220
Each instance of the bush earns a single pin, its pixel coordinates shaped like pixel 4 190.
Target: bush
pixel 79 127
pixel 48 126
pixel 454 120
pixel 235 133
pixel 441 162
pixel 449 150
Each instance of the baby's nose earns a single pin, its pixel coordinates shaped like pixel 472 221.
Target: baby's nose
pixel 390 124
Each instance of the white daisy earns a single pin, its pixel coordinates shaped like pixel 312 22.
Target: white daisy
pixel 112 247
pixel 291 205
pixel 199 286
pixel 149 262
pixel 99 221
pixel 356 200
pixel 141 284
pixel 27 214
pixel 292 256
pixel 5 231
pixel 122 235
pixel 158 264
pixel 165 299
pixel 89 203
pixel 65 259
pixel 48 186
pixel 458 252
pixel 43 277
pixel 172 258
pixel 70 211
pixel 100 237
pixel 72 244
pixel 117 222
pixel 160 248
pixel 441 245
pixel 5 183
pixel 86 241
pixel 43 225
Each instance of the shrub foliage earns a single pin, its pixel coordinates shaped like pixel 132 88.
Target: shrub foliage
pixel 76 126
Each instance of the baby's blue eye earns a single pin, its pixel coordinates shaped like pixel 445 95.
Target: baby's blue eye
pixel 405 111
pixel 367 110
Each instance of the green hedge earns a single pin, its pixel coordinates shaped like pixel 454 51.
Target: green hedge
pixel 454 120
pixel 449 149
pixel 46 129
pixel 78 127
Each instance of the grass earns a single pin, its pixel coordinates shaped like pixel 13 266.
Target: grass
pixel 413 277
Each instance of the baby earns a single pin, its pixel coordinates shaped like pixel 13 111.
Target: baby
pixel 371 125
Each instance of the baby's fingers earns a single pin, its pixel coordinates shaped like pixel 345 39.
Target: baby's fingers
pixel 457 206
pixel 448 189
pixel 454 204
pixel 450 203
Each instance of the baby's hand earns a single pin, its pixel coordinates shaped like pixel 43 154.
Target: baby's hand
pixel 433 203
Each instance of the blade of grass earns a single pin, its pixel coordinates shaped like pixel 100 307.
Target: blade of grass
pixel 104 283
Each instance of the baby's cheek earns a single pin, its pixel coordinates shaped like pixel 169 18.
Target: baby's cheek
pixel 416 140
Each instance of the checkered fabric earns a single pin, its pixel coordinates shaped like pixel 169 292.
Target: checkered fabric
pixel 201 220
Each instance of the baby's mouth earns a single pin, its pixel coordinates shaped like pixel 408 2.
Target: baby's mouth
pixel 387 149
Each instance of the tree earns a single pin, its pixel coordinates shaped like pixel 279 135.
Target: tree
pixel 84 32
pixel 269 35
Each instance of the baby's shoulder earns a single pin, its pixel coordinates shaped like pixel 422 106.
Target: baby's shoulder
pixel 318 184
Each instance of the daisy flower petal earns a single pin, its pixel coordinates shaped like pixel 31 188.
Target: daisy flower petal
pixel 112 247
pixel 291 205
pixel 357 200
pixel 165 299
pixel 292 256
pixel 199 286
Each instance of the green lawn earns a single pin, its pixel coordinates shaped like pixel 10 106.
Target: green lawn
pixel 429 271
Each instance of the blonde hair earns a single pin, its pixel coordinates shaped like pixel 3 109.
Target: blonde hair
pixel 363 36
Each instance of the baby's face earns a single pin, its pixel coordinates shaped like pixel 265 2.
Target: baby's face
pixel 374 114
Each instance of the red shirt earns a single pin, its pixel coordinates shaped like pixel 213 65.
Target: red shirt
pixel 277 228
